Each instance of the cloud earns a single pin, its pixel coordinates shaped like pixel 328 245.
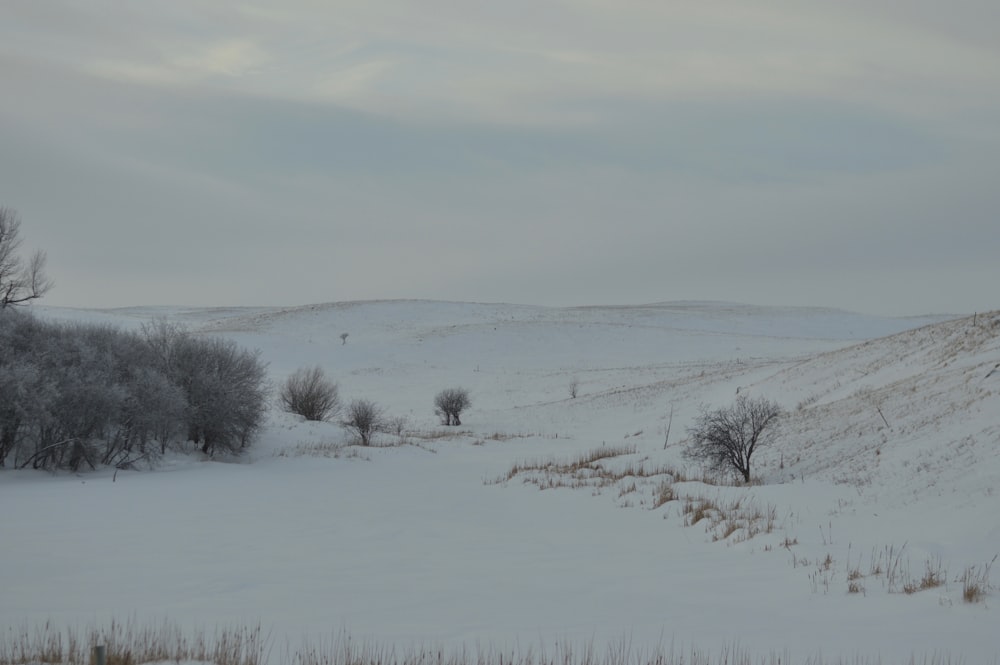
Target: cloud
pixel 228 58
pixel 564 153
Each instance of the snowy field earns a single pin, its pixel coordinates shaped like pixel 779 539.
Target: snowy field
pixel 880 493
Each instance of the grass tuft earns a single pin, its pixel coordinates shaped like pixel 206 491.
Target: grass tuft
pixel 976 582
pixel 131 643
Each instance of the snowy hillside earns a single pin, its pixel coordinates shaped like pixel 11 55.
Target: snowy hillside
pixel 885 469
pixel 916 413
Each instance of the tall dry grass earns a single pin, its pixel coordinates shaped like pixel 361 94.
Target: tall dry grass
pixel 132 643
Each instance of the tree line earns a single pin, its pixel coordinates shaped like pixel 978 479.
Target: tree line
pixel 76 395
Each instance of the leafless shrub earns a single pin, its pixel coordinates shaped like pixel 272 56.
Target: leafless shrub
pixel 308 393
pixel 364 418
pixel 396 426
pixel 449 404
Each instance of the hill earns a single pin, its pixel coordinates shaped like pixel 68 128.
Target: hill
pixel 881 481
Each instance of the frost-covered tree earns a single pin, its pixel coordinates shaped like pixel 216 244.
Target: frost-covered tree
pixel 226 392
pixel 80 395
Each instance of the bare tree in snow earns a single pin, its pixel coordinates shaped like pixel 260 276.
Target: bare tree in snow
pixel 20 281
pixel 364 418
pixel 727 438
pixel 449 404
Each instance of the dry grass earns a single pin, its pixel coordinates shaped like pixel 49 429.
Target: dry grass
pixel 505 436
pixel 594 469
pixel 584 470
pixel 976 582
pixel 734 520
pixel 130 643
pixel 345 651
pixel 664 493
pixel 889 566
pixel 437 434
pixel 323 449
pixel 933 577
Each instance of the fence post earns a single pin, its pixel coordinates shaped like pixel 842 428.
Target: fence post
pixel 100 655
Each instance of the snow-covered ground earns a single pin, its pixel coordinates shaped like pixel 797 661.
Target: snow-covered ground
pixel 886 468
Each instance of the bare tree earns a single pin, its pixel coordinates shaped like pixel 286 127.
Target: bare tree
pixel 727 438
pixel 20 282
pixel 364 418
pixel 310 394
pixel 449 404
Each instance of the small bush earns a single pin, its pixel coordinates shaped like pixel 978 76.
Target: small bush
pixel 396 425
pixel 449 404
pixel 364 418
pixel 311 395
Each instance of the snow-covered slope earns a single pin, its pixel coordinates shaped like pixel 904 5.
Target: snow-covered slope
pixel 889 454
pixel 915 415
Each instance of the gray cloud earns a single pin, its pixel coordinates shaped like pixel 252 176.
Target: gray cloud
pixel 601 154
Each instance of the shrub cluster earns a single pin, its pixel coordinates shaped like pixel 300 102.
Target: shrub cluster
pixel 82 394
pixel 307 392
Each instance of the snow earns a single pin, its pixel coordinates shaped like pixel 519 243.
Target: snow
pixel 890 445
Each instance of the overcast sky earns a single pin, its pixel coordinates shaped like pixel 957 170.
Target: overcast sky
pixel 789 152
